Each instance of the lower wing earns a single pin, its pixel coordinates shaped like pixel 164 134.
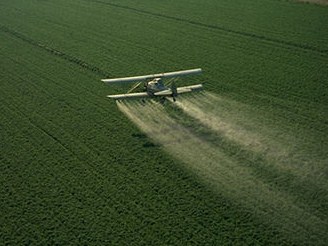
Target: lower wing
pixel 168 92
pixel 129 95
pixel 190 88
pixel 180 90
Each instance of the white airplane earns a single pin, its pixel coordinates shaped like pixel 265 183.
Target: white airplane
pixel 154 85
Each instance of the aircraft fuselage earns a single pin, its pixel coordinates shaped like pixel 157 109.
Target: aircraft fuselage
pixel 154 86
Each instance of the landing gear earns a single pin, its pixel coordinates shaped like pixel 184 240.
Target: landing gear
pixel 162 100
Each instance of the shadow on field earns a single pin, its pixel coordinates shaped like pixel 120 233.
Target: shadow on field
pixel 238 156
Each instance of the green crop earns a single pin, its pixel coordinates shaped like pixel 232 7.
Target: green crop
pixel 243 163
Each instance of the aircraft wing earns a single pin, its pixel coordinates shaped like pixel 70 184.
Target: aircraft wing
pixel 167 92
pixel 129 95
pixel 180 90
pixel 190 88
pixel 152 76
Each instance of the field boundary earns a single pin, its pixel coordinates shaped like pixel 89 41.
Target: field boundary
pixel 54 52
pixel 220 28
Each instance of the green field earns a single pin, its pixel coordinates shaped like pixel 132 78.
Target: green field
pixel 243 163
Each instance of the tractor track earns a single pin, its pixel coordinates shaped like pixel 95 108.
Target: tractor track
pixel 54 51
pixel 300 46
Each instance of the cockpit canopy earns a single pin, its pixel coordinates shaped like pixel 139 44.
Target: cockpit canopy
pixel 158 81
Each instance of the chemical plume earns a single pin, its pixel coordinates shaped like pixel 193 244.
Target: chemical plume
pixel 222 173
pixel 241 124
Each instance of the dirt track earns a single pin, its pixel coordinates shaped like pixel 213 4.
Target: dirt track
pixel 322 2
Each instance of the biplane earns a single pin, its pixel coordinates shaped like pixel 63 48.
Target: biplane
pixel 154 86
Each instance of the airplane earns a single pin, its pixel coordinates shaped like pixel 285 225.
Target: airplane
pixel 154 85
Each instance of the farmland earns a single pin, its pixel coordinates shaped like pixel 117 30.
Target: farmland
pixel 244 162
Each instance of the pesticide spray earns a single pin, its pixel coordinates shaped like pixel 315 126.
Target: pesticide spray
pixel 222 172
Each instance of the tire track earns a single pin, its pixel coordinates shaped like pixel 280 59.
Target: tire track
pixel 42 76
pixel 304 47
pixel 54 52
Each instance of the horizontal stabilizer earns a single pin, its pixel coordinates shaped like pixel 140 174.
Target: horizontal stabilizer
pixel 152 76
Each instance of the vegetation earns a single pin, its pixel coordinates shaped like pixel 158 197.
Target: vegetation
pixel 245 162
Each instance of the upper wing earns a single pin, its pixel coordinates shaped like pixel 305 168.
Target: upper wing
pixel 129 95
pixel 152 76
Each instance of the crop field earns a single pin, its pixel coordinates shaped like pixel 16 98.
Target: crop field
pixel 244 162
